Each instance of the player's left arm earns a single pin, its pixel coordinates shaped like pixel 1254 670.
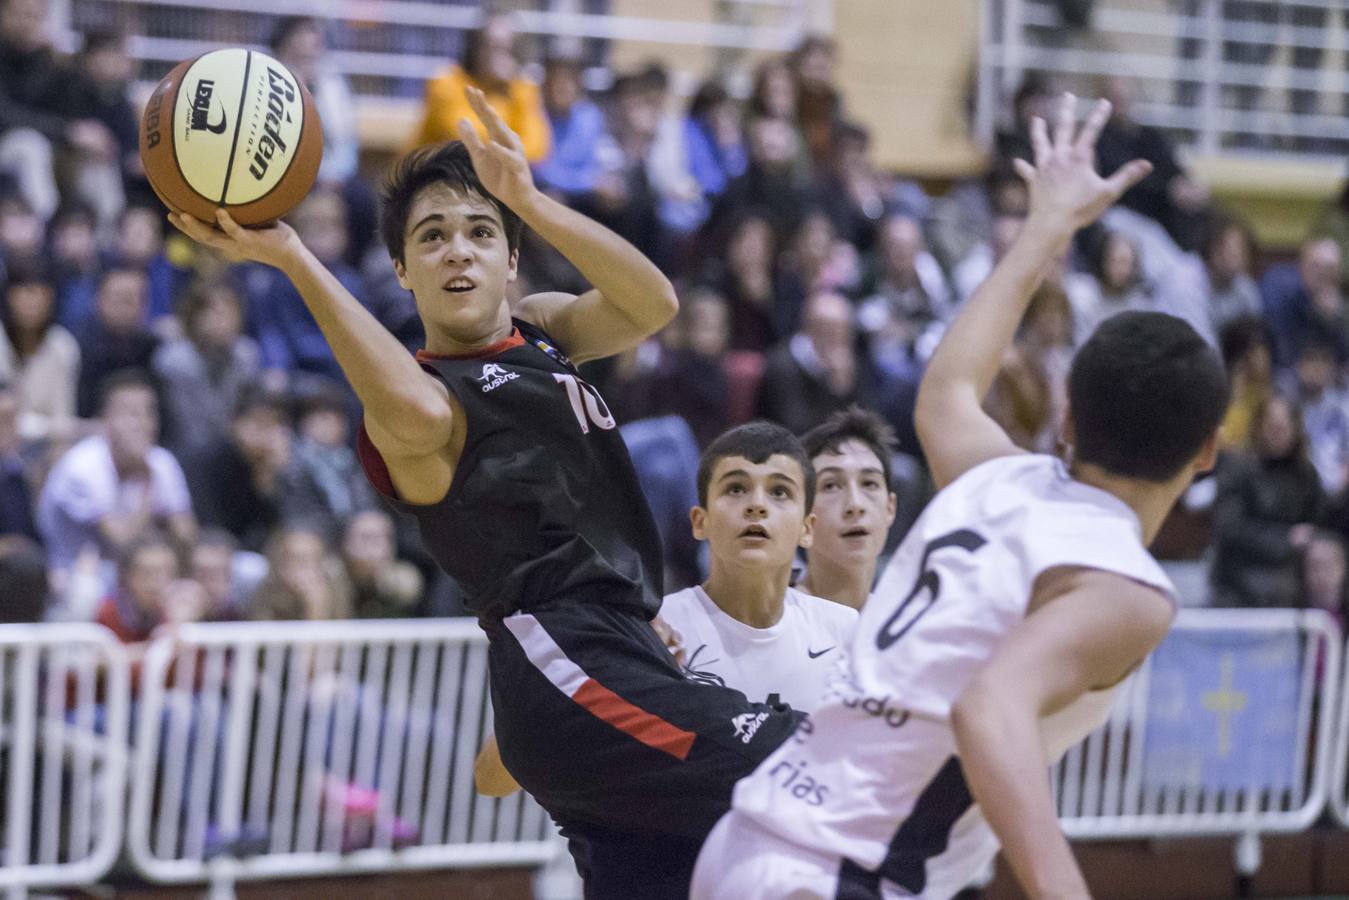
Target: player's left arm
pixel 631 299
pixel 1066 194
pixel 1088 630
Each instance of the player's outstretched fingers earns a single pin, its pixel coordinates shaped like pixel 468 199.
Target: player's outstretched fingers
pixel 468 133
pixel 1065 116
pixel 496 126
pixel 1039 141
pixel 1091 129
pixel 1128 175
pixel 1024 169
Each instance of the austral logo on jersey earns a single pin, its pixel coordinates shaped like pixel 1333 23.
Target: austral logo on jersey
pixel 201 109
pixel 493 377
pixel 747 724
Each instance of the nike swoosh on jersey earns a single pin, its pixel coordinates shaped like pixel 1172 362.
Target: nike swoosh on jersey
pixel 816 654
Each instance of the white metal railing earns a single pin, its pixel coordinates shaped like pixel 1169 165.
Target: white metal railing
pixel 1271 81
pixel 1253 775
pixel 389 47
pixel 63 760
pixel 1339 786
pixel 267 750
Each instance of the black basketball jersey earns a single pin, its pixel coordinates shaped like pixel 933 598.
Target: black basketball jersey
pixel 545 504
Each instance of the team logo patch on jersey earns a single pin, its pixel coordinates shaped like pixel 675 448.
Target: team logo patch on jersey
pixel 746 724
pixel 493 377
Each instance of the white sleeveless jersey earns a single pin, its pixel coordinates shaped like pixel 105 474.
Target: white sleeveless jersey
pixel 873 775
pixel 794 658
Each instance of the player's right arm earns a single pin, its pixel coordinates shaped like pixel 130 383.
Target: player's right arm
pixel 1087 631
pixel 408 413
pixel 1066 194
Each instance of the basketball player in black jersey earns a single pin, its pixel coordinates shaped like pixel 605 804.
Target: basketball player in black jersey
pixel 523 491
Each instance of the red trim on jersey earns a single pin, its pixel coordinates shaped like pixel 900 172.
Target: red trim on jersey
pixel 515 340
pixel 646 727
pixel 376 470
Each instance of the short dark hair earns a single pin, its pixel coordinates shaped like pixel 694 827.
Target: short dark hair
pixel 1243 334
pixel 853 424
pixel 709 96
pixel 255 395
pixel 214 536
pixel 288 26
pixel 756 442
pixel 125 380
pixel 448 164
pixel 1146 391
pixel 152 539
pixel 101 39
pixel 1216 229
pixel 23 581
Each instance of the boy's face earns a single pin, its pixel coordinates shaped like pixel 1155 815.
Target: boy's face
pixel 131 416
pixel 853 505
pixel 147 578
pixel 121 301
pixel 1315 371
pixel 756 513
pixel 456 262
pixel 211 568
pixel 321 222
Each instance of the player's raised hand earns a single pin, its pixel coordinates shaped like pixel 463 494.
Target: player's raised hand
pixel 500 160
pixel 273 245
pixel 1066 192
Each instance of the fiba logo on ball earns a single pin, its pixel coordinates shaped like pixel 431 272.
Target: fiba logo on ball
pixel 232 128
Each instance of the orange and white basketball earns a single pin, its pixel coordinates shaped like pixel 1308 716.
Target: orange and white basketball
pixel 232 128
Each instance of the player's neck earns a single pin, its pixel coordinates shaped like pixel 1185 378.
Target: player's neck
pixel 439 342
pixel 751 596
pixel 848 585
pixel 1151 502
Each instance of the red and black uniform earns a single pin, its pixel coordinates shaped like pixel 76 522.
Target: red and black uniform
pixel 546 529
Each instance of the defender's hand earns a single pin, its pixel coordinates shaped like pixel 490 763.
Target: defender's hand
pixel 500 160
pixel 1066 193
pixel 274 245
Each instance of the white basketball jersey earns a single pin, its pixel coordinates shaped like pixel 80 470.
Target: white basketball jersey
pixel 873 775
pixel 792 658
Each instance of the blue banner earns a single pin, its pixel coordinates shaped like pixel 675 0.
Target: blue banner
pixel 1222 711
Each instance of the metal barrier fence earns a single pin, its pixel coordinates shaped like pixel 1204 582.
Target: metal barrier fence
pixel 1256 75
pixel 1226 729
pixel 63 754
pixel 1339 785
pixel 267 750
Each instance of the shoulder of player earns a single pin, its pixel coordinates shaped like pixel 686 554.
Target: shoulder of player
pixel 1104 588
pixel 539 309
pixel 684 612
pixel 679 605
pixel 1011 470
pixel 831 614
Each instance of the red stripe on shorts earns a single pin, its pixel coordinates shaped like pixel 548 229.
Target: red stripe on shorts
pixel 646 727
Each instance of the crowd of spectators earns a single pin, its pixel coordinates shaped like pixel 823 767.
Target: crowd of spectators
pixel 175 433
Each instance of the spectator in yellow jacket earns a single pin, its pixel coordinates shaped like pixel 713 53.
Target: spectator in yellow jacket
pixel 490 65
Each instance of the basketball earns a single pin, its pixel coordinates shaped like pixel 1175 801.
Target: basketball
pixel 232 128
